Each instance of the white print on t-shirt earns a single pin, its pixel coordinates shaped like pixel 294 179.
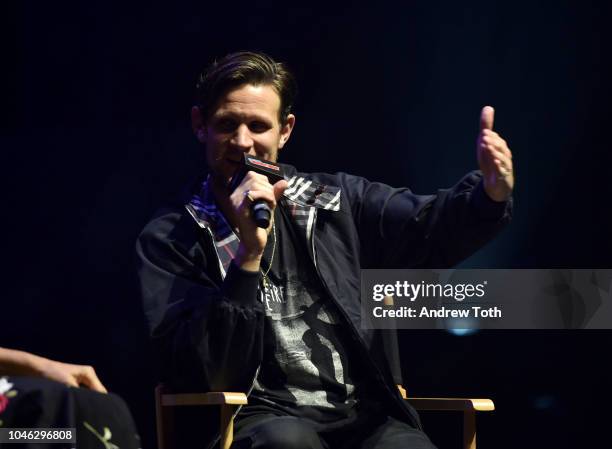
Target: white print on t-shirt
pixel 302 350
pixel 272 294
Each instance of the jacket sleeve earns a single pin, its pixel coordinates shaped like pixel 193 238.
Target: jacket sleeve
pixel 398 229
pixel 208 332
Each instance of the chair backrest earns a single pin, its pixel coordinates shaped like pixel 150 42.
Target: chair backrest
pixel 391 347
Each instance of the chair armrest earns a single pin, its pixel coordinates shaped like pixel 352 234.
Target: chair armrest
pixel 165 419
pixel 211 398
pixel 458 404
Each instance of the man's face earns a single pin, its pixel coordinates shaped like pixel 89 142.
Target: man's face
pixel 245 121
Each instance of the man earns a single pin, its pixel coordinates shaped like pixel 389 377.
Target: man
pixel 275 312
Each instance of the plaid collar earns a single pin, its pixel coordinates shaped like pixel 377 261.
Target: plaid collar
pixel 302 197
pixel 203 208
pixel 309 193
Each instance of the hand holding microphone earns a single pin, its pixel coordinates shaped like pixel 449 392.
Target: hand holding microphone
pixel 260 210
pixel 257 183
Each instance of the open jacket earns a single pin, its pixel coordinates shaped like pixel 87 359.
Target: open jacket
pixel 207 321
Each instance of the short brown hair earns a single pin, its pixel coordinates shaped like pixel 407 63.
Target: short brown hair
pixel 245 67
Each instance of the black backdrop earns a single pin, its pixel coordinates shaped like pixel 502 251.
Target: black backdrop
pixel 95 135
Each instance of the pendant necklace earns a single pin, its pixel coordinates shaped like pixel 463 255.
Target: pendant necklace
pixel 266 280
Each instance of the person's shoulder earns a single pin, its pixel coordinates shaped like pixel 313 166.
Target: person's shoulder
pixel 173 219
pixel 170 224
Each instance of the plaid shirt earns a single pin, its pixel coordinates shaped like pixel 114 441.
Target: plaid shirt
pixel 301 198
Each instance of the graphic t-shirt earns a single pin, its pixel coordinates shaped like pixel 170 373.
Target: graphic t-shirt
pixel 308 368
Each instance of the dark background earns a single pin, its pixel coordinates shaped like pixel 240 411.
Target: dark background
pixel 95 135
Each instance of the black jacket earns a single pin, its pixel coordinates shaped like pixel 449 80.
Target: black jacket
pixel 209 328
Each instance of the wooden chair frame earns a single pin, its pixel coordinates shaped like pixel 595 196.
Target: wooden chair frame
pixel 165 401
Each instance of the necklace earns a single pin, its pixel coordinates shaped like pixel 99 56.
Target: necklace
pixel 266 280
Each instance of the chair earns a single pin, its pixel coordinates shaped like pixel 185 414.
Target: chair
pixel 228 402
pixel 468 406
pixel 165 401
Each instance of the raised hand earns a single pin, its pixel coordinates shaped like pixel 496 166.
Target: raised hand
pixel 494 159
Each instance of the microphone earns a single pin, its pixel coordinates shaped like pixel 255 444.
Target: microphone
pixel 260 211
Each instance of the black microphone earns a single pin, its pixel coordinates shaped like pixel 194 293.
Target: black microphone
pixel 260 211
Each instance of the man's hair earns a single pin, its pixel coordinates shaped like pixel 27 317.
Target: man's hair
pixel 245 67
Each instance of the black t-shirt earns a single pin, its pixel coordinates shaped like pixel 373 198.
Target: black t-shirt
pixel 310 366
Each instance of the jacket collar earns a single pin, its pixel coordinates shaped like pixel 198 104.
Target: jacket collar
pixel 308 193
pixel 302 190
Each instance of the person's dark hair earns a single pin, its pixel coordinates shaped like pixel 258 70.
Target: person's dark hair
pixel 240 68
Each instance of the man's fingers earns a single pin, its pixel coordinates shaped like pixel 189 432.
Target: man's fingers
pixel 260 186
pixel 497 144
pixel 486 118
pixel 252 176
pixel 279 188
pixel 267 192
pixel 255 181
pixel 494 158
pixel 505 162
pixel 256 195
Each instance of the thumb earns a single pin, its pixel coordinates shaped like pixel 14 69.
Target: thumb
pixel 279 188
pixel 486 118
